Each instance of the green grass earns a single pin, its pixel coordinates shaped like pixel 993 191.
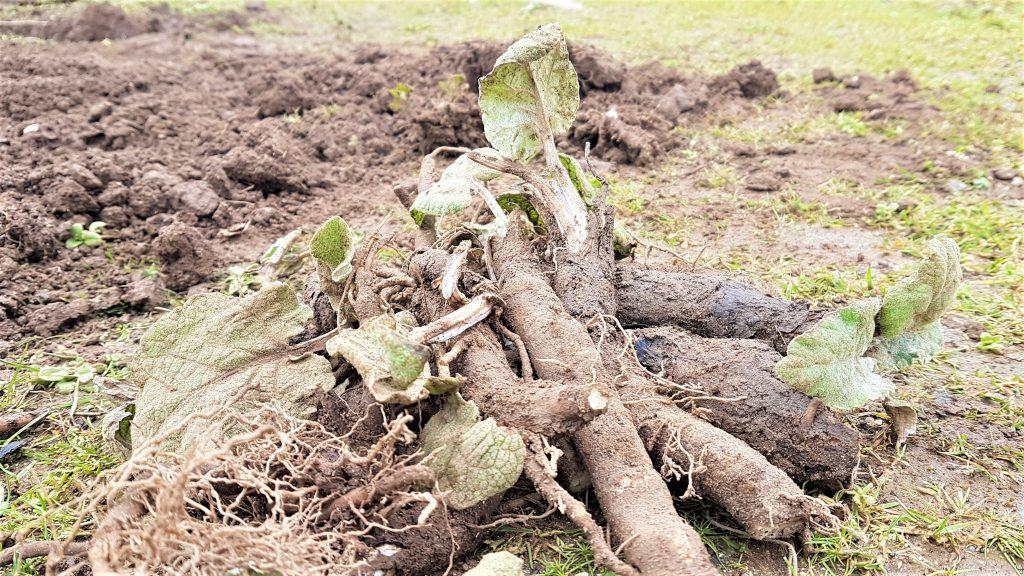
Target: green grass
pixel 879 528
pixel 547 551
pixel 67 459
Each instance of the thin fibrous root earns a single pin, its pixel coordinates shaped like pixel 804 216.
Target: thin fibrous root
pixel 537 470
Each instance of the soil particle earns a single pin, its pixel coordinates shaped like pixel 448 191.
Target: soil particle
pixel 196 197
pixel 750 80
pixel 619 140
pixel 1004 174
pixel 186 256
pixel 820 75
pixel 878 98
pixel 677 101
pixel 31 233
pixel 280 95
pixel 98 22
pixel 270 161
pixel 82 176
pixel 51 318
pixel 232 212
pixel 65 196
pixel 99 110
pixel 763 183
pixel 595 68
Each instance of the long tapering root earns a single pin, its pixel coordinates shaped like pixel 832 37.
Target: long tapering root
pixel 538 470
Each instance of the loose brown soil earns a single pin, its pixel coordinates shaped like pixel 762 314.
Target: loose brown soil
pixel 178 140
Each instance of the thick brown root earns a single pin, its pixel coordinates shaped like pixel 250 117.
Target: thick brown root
pixel 634 498
pixel 765 502
pixel 708 305
pixel 539 406
pixel 753 404
pixel 537 470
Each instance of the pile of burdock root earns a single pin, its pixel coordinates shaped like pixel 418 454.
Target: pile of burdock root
pixel 379 420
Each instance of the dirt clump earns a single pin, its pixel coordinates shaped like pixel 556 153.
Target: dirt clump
pixel 750 80
pixel 185 254
pixel 96 22
pixel 29 233
pixel 876 98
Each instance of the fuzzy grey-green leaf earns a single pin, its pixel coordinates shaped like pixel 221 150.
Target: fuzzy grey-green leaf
pixel 531 95
pixel 909 318
pixel 923 297
pixel 333 246
pixel 206 351
pixel 474 459
pixel 827 361
pixel 393 367
pixel 454 190
pixel 904 349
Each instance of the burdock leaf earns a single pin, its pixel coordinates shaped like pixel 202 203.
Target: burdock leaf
pixel 498 564
pixel 531 95
pixel 454 190
pixel 333 246
pixel 474 459
pixel 204 353
pixel 921 298
pixel 393 367
pixel 909 318
pixel 827 361
pixel 904 349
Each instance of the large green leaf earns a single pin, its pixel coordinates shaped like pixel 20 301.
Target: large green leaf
pixel 333 246
pixel 474 459
pixel 904 349
pixel 202 355
pixel 498 564
pixel 909 319
pixel 827 361
pixel 925 295
pixel 531 95
pixel 393 367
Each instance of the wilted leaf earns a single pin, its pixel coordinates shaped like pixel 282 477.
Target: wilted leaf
pixel 498 564
pixel 473 459
pixel 333 246
pixel 393 367
pixel 278 260
pixel 909 318
pixel 902 420
pixel 454 190
pixel 531 95
pixel 116 427
pixel 203 353
pixel 827 361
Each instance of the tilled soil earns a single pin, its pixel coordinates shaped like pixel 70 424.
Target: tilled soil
pixel 197 147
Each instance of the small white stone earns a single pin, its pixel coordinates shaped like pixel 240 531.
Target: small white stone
pixel 30 129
